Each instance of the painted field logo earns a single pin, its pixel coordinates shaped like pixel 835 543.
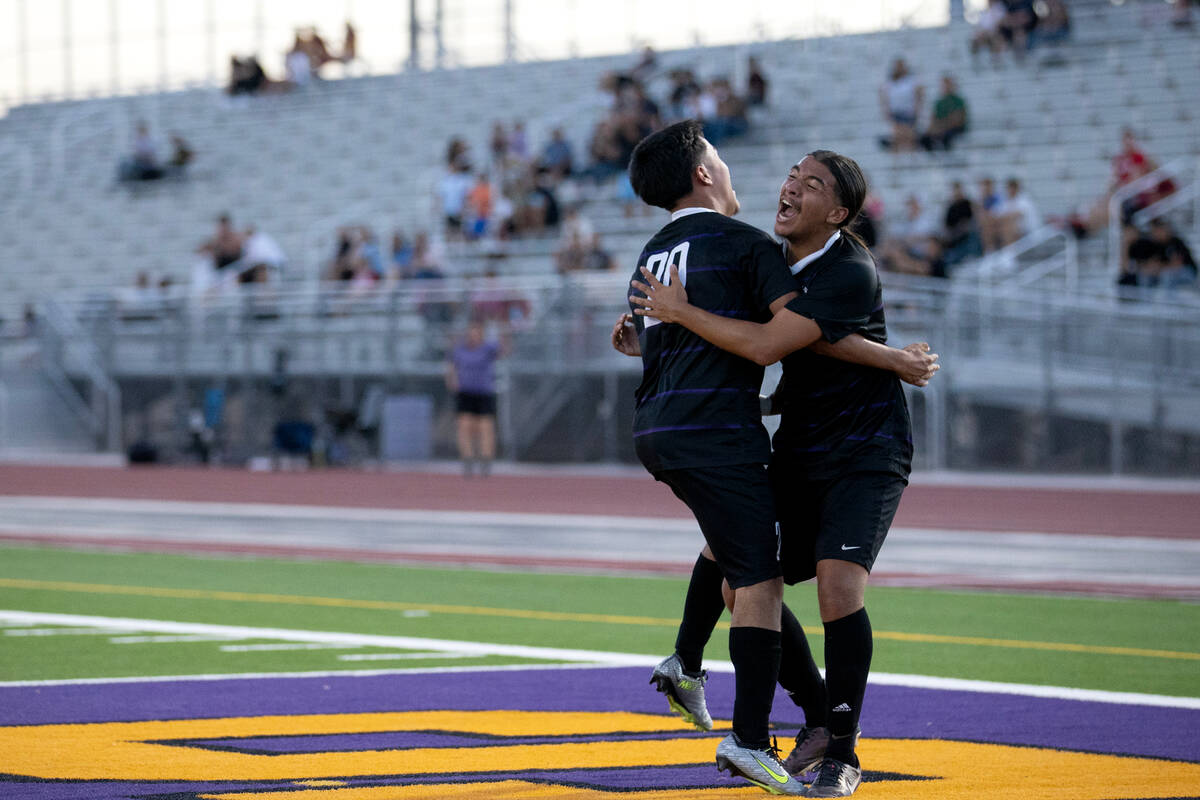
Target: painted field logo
pixel 509 754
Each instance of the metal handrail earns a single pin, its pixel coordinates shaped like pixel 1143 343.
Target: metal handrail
pixel 1177 169
pixel 987 267
pixel 104 415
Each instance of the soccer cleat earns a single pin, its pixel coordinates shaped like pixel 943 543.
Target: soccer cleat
pixel 685 694
pixel 809 750
pixel 834 779
pixel 761 767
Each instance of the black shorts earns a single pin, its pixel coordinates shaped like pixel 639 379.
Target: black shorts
pixel 844 518
pixel 478 403
pixel 734 507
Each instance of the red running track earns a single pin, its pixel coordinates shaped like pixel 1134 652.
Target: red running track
pixel 1101 511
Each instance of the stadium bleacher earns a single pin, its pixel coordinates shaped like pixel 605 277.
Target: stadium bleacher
pixel 369 149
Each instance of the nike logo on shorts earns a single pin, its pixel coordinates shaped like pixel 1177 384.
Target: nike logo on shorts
pixel 856 547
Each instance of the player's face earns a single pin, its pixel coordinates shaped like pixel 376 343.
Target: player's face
pixel 807 201
pixel 718 170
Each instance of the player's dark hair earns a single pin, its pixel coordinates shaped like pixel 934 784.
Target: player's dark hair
pixel 850 185
pixel 660 168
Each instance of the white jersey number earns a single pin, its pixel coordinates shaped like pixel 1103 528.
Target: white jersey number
pixel 660 265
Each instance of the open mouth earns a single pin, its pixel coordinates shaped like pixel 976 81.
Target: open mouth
pixel 786 211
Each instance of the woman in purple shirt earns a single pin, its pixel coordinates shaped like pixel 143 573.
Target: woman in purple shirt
pixel 471 377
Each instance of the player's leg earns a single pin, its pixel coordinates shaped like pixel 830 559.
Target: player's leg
pixel 735 510
pixel 856 515
pixel 486 424
pixel 465 430
pixel 681 676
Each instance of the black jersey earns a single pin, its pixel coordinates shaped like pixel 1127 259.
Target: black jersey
pixel 697 405
pixel 839 417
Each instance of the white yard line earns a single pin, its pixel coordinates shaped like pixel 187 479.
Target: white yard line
pixel 450 648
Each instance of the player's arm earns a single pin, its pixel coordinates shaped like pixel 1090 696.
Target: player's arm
pixel 912 364
pixel 766 343
pixel 762 343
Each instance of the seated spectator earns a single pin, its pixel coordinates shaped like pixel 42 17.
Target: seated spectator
pixel 1053 27
pixel 225 246
pixel 1130 164
pixel 756 83
pixel 478 207
pixel 402 256
pixel 1017 216
pixel 518 143
pixel 246 76
pixel 537 208
pixel 596 257
pixel 987 215
pixel 426 259
pixel 901 96
pixel 960 235
pixel 644 69
pixel 142 164
pixel 181 155
pixel 913 245
pixel 948 120
pixel 729 113
pixel 1181 13
pixel 297 65
pixel 262 257
pixel 1158 258
pixel 452 192
pixel 987 30
pixel 556 155
pixel 318 52
pixel 684 95
pixel 1019 22
pixel 141 301
pixel 569 256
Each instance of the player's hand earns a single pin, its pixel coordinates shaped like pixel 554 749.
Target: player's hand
pixel 624 336
pixel 663 301
pixel 916 365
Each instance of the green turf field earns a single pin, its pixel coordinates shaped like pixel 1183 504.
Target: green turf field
pixel 1122 645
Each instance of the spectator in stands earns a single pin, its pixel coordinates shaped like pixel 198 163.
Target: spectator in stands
pixel 605 152
pixel 1159 258
pixel 246 76
pixel 315 47
pixel 142 163
pixel 1181 13
pixel 684 95
pixel 141 301
pixel 901 97
pixel 1130 164
pixel 262 257
pixel 402 256
pixel 960 235
pixel 644 69
pixel 1053 26
pixel 537 208
pixel 225 247
pixel 728 116
pixel 569 256
pixel 426 259
pixel 556 155
pixel 596 257
pixel 456 152
pixel 913 244
pixel 756 83
pixel 471 378
pixel 1017 215
pixel 518 143
pixel 498 145
pixel 948 120
pixel 987 34
pixel 297 65
pixel 452 192
pixel 478 207
pixel 1019 21
pixel 181 155
pixel 987 209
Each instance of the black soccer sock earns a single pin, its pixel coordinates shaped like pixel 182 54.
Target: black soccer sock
pixel 798 672
pixel 847 663
pixel 701 609
pixel 755 656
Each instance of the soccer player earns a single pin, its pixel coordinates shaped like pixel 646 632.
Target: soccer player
pixel 843 450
